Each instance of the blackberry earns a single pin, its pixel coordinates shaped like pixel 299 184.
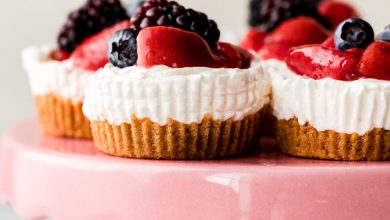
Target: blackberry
pixel 90 19
pixel 269 14
pixel 122 48
pixel 171 14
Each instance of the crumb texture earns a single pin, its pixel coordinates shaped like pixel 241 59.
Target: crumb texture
pixel 61 117
pixel 305 141
pixel 210 139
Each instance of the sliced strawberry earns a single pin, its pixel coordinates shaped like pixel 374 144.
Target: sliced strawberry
pixel 176 48
pixel 91 54
pixel 329 42
pixel 298 31
pixel 253 40
pixel 375 61
pixel 320 62
pixel 273 51
pixel 336 12
pixel 233 56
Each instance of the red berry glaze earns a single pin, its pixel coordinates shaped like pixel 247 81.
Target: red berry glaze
pixel 253 40
pixel 318 62
pixel 184 49
pixel 59 55
pixel 336 12
pixel 375 61
pixel 329 42
pixel 91 54
pixel 298 31
pixel 274 51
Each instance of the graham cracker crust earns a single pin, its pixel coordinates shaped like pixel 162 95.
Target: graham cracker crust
pixel 60 117
pixel 210 139
pixel 305 141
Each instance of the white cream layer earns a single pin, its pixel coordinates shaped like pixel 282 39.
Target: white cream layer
pixel 53 77
pixel 183 94
pixel 327 104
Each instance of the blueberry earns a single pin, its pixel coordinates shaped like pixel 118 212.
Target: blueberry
pixel 122 48
pixel 353 33
pixel 385 35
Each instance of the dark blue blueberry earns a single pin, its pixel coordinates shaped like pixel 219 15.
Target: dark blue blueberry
pixel 122 48
pixel 385 35
pixel 353 33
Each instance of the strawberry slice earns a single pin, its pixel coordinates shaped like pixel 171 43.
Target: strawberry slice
pixel 298 31
pixel 329 42
pixel 336 12
pixel 253 40
pixel 318 62
pixel 273 51
pixel 91 54
pixel 177 48
pixel 375 61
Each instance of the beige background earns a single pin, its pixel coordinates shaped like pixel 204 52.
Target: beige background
pixel 26 22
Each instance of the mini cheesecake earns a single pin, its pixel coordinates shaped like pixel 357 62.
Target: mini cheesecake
pixel 173 93
pixel 332 101
pixel 58 73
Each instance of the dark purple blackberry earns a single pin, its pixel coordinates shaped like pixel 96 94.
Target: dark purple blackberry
pixel 269 14
pixel 171 14
pixel 122 48
pixel 90 19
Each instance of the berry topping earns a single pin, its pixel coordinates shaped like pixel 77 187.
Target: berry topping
pixel 90 19
pixel 297 32
pixel 318 62
pixel 59 55
pixel 385 35
pixel 269 14
pixel 329 42
pixel 122 48
pixel 336 12
pixel 273 51
pixel 171 14
pixel 253 40
pixel 375 61
pixel 180 48
pixel 353 33
pixel 185 49
pixel 91 54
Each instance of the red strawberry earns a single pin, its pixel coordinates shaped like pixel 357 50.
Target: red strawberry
pixel 336 12
pixel 329 42
pixel 375 61
pixel 183 49
pixel 253 40
pixel 273 51
pixel 298 31
pixel 91 54
pixel 320 62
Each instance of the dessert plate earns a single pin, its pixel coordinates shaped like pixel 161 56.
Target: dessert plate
pixel 65 179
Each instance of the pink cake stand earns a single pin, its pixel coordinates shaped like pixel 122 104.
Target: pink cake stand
pixel 70 180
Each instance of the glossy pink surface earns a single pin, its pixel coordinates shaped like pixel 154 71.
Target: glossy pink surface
pixel 70 180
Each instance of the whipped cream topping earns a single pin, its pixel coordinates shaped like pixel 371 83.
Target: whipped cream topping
pixel 48 76
pixel 327 104
pixel 183 94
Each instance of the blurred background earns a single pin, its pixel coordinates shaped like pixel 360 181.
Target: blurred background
pixel 35 22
